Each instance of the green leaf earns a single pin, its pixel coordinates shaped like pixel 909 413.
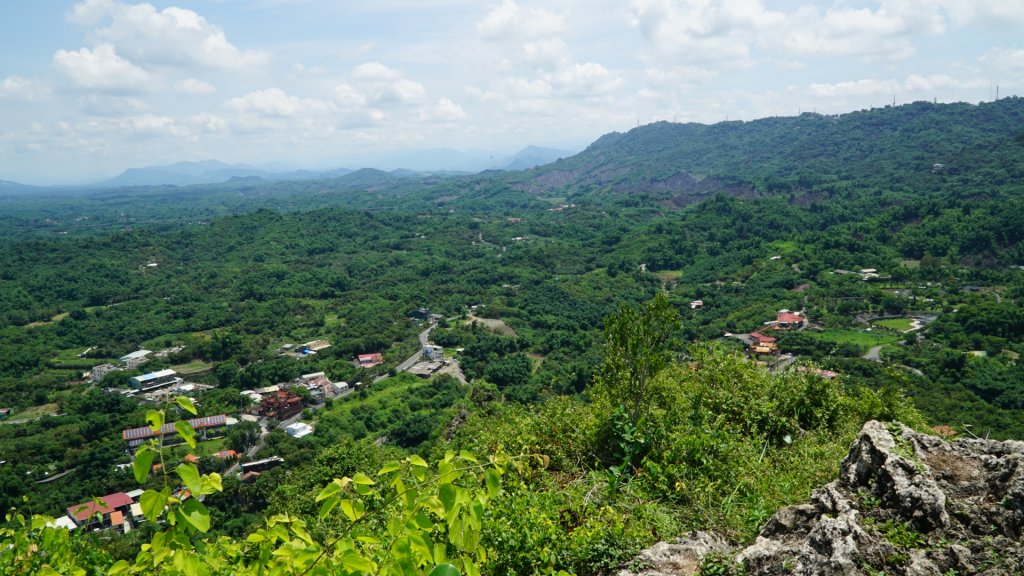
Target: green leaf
pixel 356 563
pixel 143 463
pixel 447 492
pixel 193 512
pixel 388 468
pixel 493 482
pixel 190 476
pixel 445 570
pixel 153 504
pixel 361 479
pixel 119 567
pixel 255 537
pixel 212 483
pixel 186 431
pixel 328 491
pixel 467 456
pixel 155 420
pixel 186 403
pixel 346 507
pixel 329 503
pixel 417 461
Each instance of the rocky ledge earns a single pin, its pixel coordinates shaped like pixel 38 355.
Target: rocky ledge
pixel 905 504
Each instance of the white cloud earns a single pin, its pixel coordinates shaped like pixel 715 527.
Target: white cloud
pixel 100 105
pixel 373 83
pixel 100 68
pixel 508 21
pixel 864 87
pixel 170 37
pixel 275 102
pixel 193 87
pixel 1006 63
pixel 16 87
pixel 445 110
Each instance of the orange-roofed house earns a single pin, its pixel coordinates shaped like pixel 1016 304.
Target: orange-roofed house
pixel 227 455
pixel 787 320
pixel 371 360
pixel 100 513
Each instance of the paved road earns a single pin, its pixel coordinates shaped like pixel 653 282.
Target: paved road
pixel 408 362
pixel 251 452
pixel 873 354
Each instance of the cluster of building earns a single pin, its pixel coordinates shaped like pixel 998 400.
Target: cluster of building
pixel 119 511
pixel 761 344
pixel 206 427
pixel 300 351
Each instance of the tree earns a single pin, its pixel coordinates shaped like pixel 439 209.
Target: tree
pixel 638 345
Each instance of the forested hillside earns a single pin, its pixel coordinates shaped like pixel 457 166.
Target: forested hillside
pixel 787 278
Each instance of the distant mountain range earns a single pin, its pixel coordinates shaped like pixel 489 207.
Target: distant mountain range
pixel 398 165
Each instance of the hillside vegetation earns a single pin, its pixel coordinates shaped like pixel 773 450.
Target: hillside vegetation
pixel 896 233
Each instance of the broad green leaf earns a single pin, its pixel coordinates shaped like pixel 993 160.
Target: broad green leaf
pixel 346 507
pixel 388 468
pixel 193 512
pixel 329 503
pixel 186 403
pixel 119 567
pixel 153 504
pixel 493 482
pixel 155 420
pixel 446 492
pixel 190 476
pixel 186 432
pixel 361 479
pixel 445 570
pixel 417 461
pixel 467 456
pixel 143 463
pixel 255 537
pixel 447 472
pixel 328 491
pixel 212 483
pixel 357 563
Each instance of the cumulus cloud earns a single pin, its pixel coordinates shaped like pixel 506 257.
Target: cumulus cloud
pixel 1007 63
pixel 731 33
pixel 509 21
pixel 914 86
pixel 16 87
pixel 100 68
pixel 173 36
pixel 193 87
pixel 445 110
pixel 275 102
pixel 373 83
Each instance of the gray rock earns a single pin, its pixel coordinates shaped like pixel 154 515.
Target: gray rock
pixel 680 558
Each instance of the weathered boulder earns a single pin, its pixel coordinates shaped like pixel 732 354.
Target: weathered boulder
pixel 904 504
pixel 682 557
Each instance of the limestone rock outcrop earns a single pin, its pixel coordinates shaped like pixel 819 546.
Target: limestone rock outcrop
pixel 905 504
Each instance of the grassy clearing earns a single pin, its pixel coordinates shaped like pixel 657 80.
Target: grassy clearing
pixel 69 359
pixel 860 338
pixel 193 367
pixel 494 325
pixel 37 411
pixel 899 324
pixel 52 320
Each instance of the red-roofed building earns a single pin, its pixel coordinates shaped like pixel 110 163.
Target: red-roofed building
pixel 788 320
pixel 191 458
pixel 371 360
pixel 227 455
pixel 762 339
pixel 136 436
pixel 281 405
pixel 100 513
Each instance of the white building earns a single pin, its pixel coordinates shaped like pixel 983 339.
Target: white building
pixel 434 353
pixel 298 429
pixel 135 359
pixel 99 372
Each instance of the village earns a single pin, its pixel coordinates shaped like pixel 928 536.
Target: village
pixel 279 406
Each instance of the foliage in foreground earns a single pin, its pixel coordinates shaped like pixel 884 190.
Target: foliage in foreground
pixel 721 445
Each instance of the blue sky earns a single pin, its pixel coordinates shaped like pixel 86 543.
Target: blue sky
pixel 90 88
